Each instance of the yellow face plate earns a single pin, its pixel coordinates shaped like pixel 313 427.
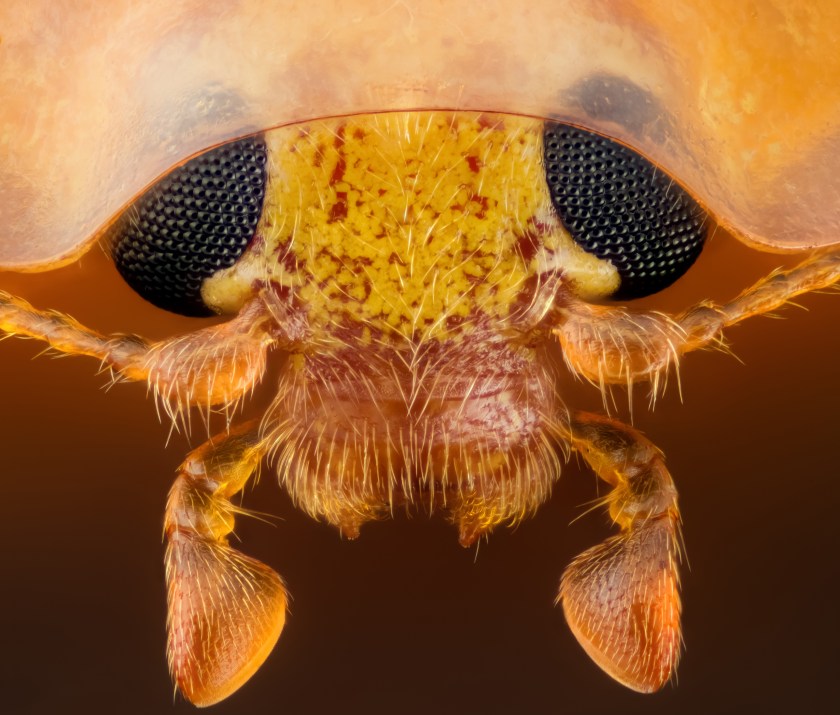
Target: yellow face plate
pixel 408 224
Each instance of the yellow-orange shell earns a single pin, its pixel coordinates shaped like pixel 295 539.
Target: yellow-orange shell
pixel 737 101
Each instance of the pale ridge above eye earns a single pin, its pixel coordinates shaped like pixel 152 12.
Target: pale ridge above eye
pixel 620 207
pixel 197 220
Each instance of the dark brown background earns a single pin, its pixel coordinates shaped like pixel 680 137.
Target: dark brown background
pixel 404 620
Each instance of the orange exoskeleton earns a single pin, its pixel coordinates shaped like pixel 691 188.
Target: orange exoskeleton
pixel 409 267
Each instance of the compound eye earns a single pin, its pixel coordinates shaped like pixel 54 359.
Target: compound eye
pixel 197 220
pixel 621 208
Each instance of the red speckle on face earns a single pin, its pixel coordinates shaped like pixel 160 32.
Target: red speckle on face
pixel 482 202
pixel 338 210
pixel 341 165
pixel 528 244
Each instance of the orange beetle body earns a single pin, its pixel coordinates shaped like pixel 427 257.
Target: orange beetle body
pixel 631 90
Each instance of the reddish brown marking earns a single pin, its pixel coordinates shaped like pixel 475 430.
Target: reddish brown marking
pixel 453 322
pixel 338 172
pixel 528 244
pixel 281 291
pixel 341 165
pixel 474 163
pixel 338 210
pixel 481 201
pixel 288 259
pixel 490 122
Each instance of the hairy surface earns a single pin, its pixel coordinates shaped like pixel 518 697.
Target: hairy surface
pixel 469 428
pixel 422 252
pixel 408 225
pixel 414 309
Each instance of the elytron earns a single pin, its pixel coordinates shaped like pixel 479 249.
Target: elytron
pixel 412 270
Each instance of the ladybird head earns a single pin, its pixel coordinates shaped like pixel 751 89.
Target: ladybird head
pixel 356 214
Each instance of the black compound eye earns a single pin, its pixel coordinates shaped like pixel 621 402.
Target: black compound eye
pixel 620 207
pixel 196 221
